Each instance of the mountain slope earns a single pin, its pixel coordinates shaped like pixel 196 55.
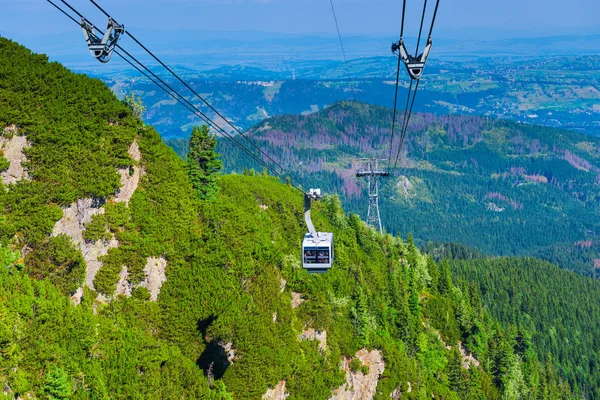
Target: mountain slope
pixel 130 287
pixel 505 188
pixel 559 308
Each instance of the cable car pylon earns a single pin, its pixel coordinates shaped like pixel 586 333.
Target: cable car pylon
pixel 370 168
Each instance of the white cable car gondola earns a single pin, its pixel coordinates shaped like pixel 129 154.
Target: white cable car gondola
pixel 317 247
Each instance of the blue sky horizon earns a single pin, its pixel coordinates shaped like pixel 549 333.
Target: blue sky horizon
pixel 169 26
pixel 375 17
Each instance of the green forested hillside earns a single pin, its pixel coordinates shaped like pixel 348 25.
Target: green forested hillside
pixel 504 188
pixel 235 313
pixel 558 308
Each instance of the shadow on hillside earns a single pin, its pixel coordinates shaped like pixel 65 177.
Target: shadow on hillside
pixel 214 359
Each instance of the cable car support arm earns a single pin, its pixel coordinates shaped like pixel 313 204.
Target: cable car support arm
pixel 313 194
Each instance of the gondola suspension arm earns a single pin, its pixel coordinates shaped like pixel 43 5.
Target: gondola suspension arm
pixel 313 194
pixel 102 49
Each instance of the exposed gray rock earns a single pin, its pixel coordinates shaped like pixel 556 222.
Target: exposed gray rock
pixel 124 287
pixel 13 152
pixel 467 359
pixel 76 217
pixel 276 393
pixel 130 180
pixel 134 151
pixel 296 300
pixel 320 336
pixel 8 390
pixel 76 298
pixel 79 214
pixel 229 350
pixel 155 276
pixel 91 253
pixel 282 285
pixel 359 386
pixel 72 224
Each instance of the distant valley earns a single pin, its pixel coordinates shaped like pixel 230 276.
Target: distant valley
pixel 557 91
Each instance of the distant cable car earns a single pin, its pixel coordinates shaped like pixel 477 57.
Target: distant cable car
pixel 317 247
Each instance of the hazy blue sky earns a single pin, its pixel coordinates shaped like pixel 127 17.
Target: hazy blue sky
pixel 523 17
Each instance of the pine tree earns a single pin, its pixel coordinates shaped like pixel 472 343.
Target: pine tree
pixel 503 358
pixel 515 387
pixel 445 281
pixel 454 368
pixel 413 294
pixel 58 385
pixel 412 251
pixel 204 163
pixel 434 273
pixel 365 323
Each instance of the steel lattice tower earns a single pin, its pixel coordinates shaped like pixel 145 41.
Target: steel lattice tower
pixel 371 169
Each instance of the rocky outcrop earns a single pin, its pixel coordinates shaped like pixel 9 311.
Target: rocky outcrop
pixel 76 217
pixel 79 214
pixel 76 297
pixel 228 350
pixel 296 300
pixel 13 151
pixel 467 359
pixel 155 276
pixel 92 253
pixel 276 393
pixel 72 224
pixel 312 335
pixel 359 386
pixel 124 287
pixel 130 177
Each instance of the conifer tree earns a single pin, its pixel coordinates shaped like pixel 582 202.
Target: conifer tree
pixel 203 162
pixel 434 273
pixel 445 280
pixel 411 257
pixel 515 387
pixel 58 385
pixel 413 294
pixel 454 368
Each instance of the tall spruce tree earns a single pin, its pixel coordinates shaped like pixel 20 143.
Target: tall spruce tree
pixel 445 279
pixel 203 162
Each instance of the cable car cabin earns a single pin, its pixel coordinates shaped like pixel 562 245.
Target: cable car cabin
pixel 317 252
